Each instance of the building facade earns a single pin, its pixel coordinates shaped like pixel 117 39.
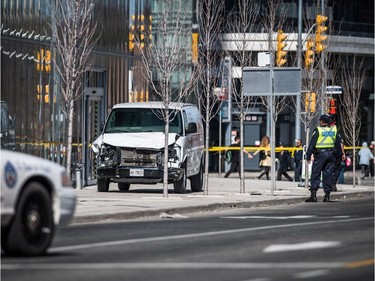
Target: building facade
pixel 33 121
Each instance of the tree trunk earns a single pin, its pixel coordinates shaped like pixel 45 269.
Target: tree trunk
pixel 70 138
pixel 207 135
pixel 165 174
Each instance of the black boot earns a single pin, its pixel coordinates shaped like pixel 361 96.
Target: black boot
pixel 326 198
pixel 312 197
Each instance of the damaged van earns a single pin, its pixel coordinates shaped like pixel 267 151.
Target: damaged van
pixel 130 148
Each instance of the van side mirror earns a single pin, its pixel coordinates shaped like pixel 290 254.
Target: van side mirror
pixel 192 128
pixel 102 126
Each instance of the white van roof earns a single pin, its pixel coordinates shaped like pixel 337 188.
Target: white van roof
pixel 151 104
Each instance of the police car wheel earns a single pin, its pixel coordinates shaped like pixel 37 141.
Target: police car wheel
pixel 180 185
pixel 196 181
pixel 103 185
pixel 123 186
pixel 32 228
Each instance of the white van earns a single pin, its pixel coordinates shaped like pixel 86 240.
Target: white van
pixel 131 146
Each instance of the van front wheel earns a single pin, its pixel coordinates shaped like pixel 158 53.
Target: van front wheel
pixel 196 181
pixel 180 185
pixel 103 185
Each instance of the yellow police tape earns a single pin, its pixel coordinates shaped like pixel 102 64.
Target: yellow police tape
pixel 255 148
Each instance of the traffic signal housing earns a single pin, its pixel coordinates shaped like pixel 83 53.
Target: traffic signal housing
pixel 310 102
pixel 309 53
pixel 280 53
pixel 332 106
pixel 320 35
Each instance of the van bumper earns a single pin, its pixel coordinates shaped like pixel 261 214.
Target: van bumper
pixel 135 174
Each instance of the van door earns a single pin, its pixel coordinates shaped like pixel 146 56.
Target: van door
pixel 193 141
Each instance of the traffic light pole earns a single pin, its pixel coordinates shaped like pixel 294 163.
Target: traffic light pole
pixel 299 64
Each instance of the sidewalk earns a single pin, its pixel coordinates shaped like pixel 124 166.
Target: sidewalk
pixel 223 193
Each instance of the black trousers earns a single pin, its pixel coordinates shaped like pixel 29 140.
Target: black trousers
pixel 297 171
pixel 233 167
pixel 337 170
pixel 266 171
pixel 324 164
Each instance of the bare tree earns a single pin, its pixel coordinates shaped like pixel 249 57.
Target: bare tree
pixel 240 26
pixel 165 53
pixel 210 19
pixel 352 78
pixel 274 19
pixel 74 29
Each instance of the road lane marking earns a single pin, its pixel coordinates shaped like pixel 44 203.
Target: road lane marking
pixel 193 235
pixel 270 217
pixel 310 274
pixel 168 265
pixel 284 217
pixel 312 245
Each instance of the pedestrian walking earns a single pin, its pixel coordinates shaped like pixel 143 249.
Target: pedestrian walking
pixel 235 158
pixel 284 164
pixel 298 158
pixel 322 144
pixel 264 152
pixel 365 156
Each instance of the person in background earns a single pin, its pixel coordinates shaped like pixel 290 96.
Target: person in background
pixel 322 145
pixel 298 158
pixel 338 152
pixel 344 163
pixel 284 166
pixel 372 146
pixel 365 156
pixel 235 161
pixel 264 152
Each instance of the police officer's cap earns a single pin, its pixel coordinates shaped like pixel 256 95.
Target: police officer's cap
pixel 325 118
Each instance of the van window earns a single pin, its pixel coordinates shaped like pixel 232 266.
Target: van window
pixel 139 120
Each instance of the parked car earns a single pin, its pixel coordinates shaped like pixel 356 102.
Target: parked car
pixel 36 196
pixel 131 146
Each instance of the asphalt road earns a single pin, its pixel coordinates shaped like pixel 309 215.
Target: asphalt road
pixel 321 241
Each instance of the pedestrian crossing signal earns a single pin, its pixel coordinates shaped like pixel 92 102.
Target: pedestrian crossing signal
pixel 332 107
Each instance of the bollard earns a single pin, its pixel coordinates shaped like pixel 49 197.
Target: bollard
pixel 78 178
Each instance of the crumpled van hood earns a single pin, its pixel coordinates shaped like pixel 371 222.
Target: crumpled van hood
pixel 150 140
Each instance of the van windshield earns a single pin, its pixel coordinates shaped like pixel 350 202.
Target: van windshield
pixel 140 120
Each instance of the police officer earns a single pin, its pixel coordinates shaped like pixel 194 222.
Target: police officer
pixel 322 144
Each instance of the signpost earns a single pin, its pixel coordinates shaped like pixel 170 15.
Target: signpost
pixel 272 81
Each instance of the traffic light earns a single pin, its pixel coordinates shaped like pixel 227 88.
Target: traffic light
pixel 131 41
pixel 280 53
pixel 310 102
pixel 332 107
pixel 309 53
pixel 194 47
pixel 47 61
pixel 320 33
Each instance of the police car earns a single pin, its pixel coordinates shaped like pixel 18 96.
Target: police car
pixel 36 196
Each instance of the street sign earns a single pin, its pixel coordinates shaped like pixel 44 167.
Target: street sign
pixel 334 90
pixel 286 81
pixel 256 81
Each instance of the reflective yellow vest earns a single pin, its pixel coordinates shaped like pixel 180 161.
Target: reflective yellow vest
pixel 327 137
